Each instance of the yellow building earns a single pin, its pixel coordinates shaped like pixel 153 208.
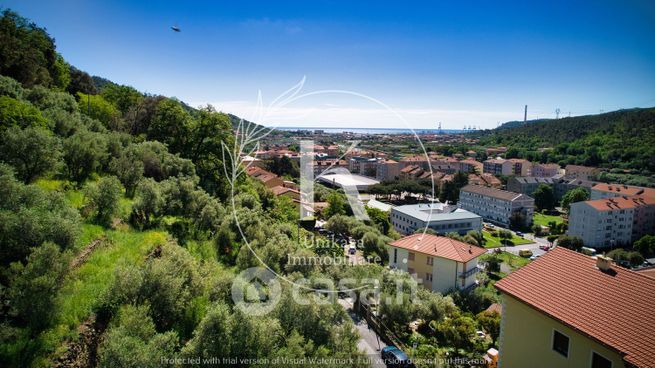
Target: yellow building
pixel 567 309
pixel 439 263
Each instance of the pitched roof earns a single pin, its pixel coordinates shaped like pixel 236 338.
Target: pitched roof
pixel 614 308
pixel 439 246
pixel 620 203
pixel 492 192
pixel 624 190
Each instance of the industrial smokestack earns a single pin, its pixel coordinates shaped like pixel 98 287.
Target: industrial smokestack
pixel 525 114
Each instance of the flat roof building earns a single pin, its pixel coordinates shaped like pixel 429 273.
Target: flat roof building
pixel 439 217
pixel 340 180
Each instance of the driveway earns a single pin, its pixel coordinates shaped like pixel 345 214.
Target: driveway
pixel 368 342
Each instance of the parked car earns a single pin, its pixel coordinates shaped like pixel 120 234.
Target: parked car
pixel 535 257
pixel 394 357
pixel 545 247
pixel 525 253
pixel 520 234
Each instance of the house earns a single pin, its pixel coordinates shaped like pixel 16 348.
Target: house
pixel 267 178
pixel 411 172
pixel 544 170
pixel 287 192
pixel 609 222
pixel 581 172
pixel 439 217
pixel 471 166
pixel 494 151
pixel 497 206
pixel 567 309
pixel 439 263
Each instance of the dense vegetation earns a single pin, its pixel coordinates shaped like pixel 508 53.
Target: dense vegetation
pixel 623 142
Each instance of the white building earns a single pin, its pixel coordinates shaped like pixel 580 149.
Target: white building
pixel 439 217
pixel 610 222
pixel 438 263
pixel 495 205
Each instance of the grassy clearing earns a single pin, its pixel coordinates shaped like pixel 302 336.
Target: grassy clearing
pixel 494 241
pixel 513 261
pixel 543 220
pixel 85 285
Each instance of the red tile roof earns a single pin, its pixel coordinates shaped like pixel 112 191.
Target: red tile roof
pixel 620 203
pixel 616 308
pixel 439 246
pixel 624 190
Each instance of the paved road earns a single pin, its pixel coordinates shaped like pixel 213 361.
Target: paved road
pixel 368 342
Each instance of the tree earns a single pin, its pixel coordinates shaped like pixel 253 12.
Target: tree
pixel 493 263
pixel 33 152
pixel 104 198
pixel 33 286
pixel 490 322
pixel 336 205
pixel 574 195
pixel 457 331
pixel 83 154
pixel 213 336
pixel 505 236
pixel 148 204
pixel 544 197
pixel 380 218
pixel 129 171
pixel 133 341
pixel 96 107
pixel 570 242
pixel 20 114
pixel 645 245
pixel 81 82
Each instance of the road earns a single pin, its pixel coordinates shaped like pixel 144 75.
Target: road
pixel 368 342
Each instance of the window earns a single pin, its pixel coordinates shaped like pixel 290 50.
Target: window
pixel 430 261
pixel 599 361
pixel 410 271
pixel 411 256
pixel 395 255
pixel 561 343
pixel 428 277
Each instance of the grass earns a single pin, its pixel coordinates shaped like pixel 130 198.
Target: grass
pixel 512 260
pixel 494 241
pixel 543 220
pixel 84 286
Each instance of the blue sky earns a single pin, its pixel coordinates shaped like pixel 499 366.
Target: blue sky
pixel 458 62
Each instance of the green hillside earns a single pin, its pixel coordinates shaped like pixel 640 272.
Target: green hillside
pixel 623 142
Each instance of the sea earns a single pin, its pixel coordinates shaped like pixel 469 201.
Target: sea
pixel 384 131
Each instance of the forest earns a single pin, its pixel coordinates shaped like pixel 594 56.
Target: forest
pixel 623 142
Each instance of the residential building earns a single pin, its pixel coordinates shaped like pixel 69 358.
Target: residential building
pixel 333 151
pixel 567 309
pixel 387 170
pixel 267 178
pixel 494 151
pixel 287 192
pixel 498 166
pixel 471 166
pixel 411 172
pixel 602 190
pixel 497 206
pixel 439 217
pixel 581 172
pixel 520 167
pixel 528 184
pixel 610 222
pixel 439 263
pixel 544 170
pixel 485 179
pixel 363 165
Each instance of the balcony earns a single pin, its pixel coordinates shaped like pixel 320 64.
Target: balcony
pixel 470 272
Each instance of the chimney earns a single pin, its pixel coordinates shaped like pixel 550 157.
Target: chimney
pixel 603 263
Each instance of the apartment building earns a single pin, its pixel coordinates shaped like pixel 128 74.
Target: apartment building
pixel 567 309
pixel 610 222
pixel 439 263
pixel 497 206
pixel 581 172
pixel 387 170
pixel 544 170
pixel 520 167
pixel 498 166
pixel 439 217
pixel 603 190
pixel 363 165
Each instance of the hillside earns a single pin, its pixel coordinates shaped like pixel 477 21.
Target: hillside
pixel 620 141
pixel 119 240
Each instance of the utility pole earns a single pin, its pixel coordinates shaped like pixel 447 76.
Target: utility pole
pixel 557 111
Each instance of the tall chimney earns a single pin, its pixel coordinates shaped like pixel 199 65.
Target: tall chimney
pixel 525 114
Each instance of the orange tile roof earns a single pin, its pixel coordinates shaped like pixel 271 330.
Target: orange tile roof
pixel 439 246
pixel 650 272
pixel 620 203
pixel 616 308
pixel 624 190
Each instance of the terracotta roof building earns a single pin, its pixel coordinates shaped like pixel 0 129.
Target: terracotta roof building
pixel 439 262
pixel 567 309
